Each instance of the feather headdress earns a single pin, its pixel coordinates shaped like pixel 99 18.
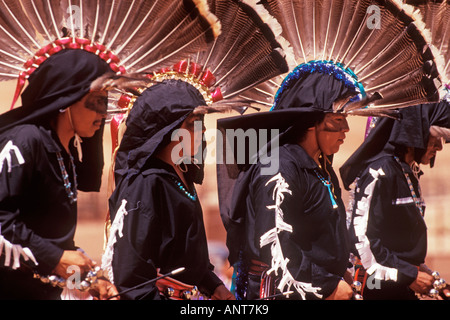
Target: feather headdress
pixel 246 54
pixel 381 48
pixel 131 36
pixel 436 15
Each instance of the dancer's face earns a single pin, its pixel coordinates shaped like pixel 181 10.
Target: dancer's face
pixel 331 133
pixel 434 145
pixel 88 113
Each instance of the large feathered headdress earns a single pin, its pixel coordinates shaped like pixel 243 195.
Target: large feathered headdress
pixel 131 36
pixel 418 121
pixel 380 49
pixel 246 54
pixel 37 36
pixel 436 16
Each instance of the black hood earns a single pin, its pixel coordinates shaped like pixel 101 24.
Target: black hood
pixel 389 136
pixel 160 110
pixel 315 92
pixel 59 82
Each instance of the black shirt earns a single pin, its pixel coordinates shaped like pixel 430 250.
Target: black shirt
pixel 162 229
pixel 35 210
pixel 290 221
pixel 388 229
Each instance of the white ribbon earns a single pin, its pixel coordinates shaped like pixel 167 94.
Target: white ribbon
pixel 15 251
pixel 5 155
pixel 115 231
pixel 77 144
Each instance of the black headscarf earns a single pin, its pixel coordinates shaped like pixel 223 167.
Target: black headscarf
pixel 317 91
pixel 389 136
pixel 160 110
pixel 59 82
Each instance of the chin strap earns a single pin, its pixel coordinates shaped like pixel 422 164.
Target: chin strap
pixel 77 141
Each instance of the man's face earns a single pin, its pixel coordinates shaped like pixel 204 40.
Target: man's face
pixel 434 145
pixel 331 133
pixel 88 113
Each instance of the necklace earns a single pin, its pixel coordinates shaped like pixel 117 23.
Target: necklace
pixel 327 183
pixel 67 185
pixel 193 197
pixel 417 201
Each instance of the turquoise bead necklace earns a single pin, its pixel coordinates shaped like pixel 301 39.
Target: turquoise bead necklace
pixel 327 183
pixel 72 194
pixel 180 186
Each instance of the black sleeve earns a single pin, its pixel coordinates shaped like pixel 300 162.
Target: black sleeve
pixel 136 231
pixel 277 200
pixel 371 210
pixel 17 162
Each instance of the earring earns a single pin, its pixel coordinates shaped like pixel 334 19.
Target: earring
pixel 182 166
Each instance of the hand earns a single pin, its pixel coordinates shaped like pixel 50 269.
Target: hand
pixel 423 283
pixel 343 291
pixel 222 293
pixel 73 258
pixel 446 293
pixel 104 289
pixel 348 277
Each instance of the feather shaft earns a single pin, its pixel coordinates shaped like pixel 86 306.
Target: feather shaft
pixel 121 25
pixel 20 25
pixel 144 20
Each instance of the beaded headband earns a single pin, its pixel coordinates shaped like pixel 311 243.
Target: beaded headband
pixel 61 44
pixel 341 73
pixel 201 79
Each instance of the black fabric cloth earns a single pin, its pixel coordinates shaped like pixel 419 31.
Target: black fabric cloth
pixel 59 82
pixel 160 110
pixel 163 229
pixel 35 211
pixel 319 260
pixel 317 91
pixel 386 224
pixel 317 247
pixel 395 228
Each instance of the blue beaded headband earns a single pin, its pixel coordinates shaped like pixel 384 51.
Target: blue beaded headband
pixel 346 75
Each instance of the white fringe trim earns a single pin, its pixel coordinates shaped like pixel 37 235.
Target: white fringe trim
pixel 271 237
pixel 5 155
pixel 116 230
pixel 14 251
pixel 360 226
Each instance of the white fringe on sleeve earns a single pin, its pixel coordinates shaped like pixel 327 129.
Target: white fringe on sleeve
pixel 271 237
pixel 13 252
pixel 116 230
pixel 360 225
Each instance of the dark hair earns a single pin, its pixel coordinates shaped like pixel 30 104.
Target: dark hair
pixel 297 132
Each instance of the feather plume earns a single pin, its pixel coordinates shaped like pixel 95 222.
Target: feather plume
pixel 384 43
pixel 435 16
pixel 248 52
pixel 245 55
pixel 134 35
pixel 440 132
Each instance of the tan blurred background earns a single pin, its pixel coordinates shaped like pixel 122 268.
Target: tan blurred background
pixel 92 207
